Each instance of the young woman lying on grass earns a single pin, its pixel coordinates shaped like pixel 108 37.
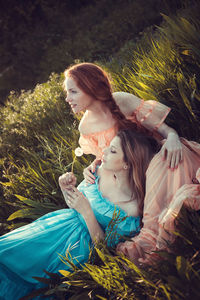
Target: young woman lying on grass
pixel 119 188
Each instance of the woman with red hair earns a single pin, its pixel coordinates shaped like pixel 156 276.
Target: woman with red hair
pixel 171 173
pixel 88 89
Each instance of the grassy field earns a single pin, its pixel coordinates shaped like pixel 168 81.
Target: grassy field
pixel 39 135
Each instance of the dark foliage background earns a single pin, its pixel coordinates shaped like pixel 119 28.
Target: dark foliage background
pixel 38 37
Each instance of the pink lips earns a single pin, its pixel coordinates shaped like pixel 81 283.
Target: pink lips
pixel 103 160
pixel 73 105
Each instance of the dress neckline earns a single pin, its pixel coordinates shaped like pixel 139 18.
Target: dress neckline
pixel 99 132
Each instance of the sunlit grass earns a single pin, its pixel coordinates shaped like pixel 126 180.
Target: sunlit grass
pixel 37 143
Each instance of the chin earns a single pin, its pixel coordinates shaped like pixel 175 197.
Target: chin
pixel 105 167
pixel 76 110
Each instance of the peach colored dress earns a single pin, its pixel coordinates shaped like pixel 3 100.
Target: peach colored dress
pixel 166 190
pixel 150 114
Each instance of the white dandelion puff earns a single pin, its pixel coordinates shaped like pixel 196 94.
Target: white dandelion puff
pixel 78 152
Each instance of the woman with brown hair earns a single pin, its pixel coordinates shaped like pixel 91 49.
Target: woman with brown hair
pixel 31 249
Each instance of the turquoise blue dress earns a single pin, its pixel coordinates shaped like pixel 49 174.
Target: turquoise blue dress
pixel 27 251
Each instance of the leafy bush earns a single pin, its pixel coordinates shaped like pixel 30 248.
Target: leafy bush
pixel 40 37
pixel 167 70
pixel 38 138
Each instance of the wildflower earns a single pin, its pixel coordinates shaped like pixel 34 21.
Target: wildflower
pixel 78 152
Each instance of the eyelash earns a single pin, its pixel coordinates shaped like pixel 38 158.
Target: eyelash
pixel 112 151
pixel 71 92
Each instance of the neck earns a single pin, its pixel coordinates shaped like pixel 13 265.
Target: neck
pixel 97 107
pixel 121 181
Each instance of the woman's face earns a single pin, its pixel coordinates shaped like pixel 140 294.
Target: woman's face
pixel 77 99
pixel 113 156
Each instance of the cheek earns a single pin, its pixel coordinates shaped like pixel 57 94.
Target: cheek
pixel 80 100
pixel 116 163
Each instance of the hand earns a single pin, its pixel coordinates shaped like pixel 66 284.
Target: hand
pixel 78 201
pixel 87 173
pixel 66 180
pixel 188 195
pixel 172 150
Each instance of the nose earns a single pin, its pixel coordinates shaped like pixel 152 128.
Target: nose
pixel 67 99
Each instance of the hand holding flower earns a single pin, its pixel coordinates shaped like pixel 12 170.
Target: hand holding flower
pixel 66 181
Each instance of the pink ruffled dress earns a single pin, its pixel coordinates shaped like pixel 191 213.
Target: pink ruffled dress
pixel 150 114
pixel 166 190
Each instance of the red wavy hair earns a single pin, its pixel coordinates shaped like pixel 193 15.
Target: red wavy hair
pixel 94 81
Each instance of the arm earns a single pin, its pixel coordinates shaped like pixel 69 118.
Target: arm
pixel 81 204
pixel 127 102
pixel 151 114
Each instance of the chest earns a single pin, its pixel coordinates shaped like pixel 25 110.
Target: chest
pixel 123 200
pixel 91 124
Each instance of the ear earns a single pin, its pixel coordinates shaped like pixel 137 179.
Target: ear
pixel 125 167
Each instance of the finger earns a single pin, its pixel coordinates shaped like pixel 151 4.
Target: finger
pixel 90 180
pixel 89 171
pixel 169 158
pixel 173 161
pixel 163 153
pixel 90 175
pixel 181 155
pixel 71 193
pixel 177 160
pixel 75 190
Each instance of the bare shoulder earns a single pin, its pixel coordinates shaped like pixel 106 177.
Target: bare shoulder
pixel 127 102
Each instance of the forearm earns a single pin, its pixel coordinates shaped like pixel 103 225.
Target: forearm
pixel 165 130
pixel 93 226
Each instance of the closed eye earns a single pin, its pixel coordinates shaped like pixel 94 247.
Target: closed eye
pixel 113 151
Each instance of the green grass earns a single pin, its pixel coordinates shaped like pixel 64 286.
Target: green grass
pixel 38 138
pixel 166 69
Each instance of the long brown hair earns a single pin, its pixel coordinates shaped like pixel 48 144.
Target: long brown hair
pixel 94 81
pixel 138 150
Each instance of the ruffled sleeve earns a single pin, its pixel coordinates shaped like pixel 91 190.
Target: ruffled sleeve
pixel 188 195
pixel 89 145
pixel 150 114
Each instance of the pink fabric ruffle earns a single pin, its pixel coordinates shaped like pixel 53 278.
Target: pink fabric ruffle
pixel 166 192
pixel 150 114
pixel 95 143
pixel 188 195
